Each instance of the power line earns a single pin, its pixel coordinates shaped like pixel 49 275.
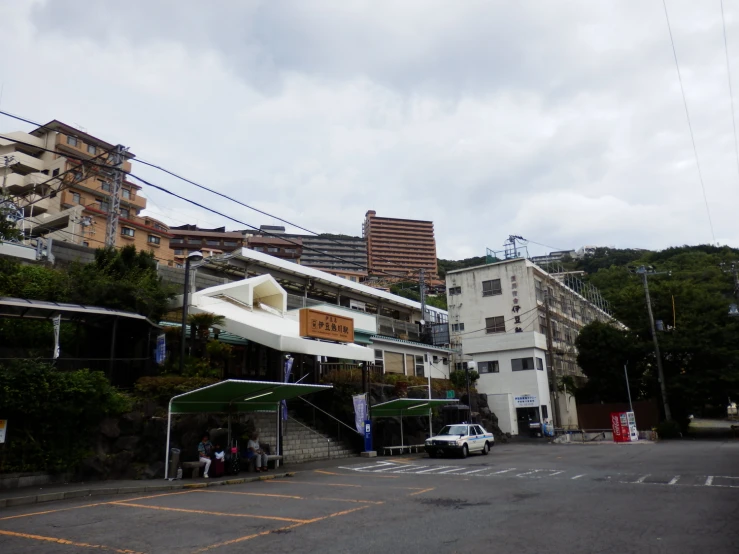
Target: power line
pixel 225 196
pixel 731 93
pixel 690 125
pixel 282 237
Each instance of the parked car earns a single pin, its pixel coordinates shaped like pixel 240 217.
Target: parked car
pixel 460 439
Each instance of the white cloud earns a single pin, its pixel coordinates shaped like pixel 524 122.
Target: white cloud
pixel 560 122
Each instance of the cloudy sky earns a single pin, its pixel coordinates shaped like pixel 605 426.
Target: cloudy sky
pixel 561 121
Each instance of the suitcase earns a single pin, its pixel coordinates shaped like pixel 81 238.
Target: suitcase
pixel 233 462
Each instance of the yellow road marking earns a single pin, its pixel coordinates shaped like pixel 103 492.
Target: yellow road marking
pixel 93 505
pixel 319 484
pixel 421 491
pixel 67 542
pixel 263 533
pixel 327 472
pixel 204 512
pixel 289 497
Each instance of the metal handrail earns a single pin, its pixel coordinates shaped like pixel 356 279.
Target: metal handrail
pixel 329 415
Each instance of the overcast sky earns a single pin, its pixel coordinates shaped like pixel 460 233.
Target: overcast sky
pixel 561 121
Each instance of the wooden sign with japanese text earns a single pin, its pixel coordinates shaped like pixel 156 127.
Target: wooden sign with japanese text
pixel 323 325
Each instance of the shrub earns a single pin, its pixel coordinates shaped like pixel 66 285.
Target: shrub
pixel 459 378
pixel 161 389
pixel 669 430
pixel 52 415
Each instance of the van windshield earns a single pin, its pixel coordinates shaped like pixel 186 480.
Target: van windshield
pixel 454 430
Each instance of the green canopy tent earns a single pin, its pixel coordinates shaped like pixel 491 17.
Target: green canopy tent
pixel 234 395
pixel 408 407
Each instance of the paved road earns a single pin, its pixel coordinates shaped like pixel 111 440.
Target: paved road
pixel 677 497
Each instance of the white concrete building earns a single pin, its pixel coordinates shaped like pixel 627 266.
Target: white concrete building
pixel 498 318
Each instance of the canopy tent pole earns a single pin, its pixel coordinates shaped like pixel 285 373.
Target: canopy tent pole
pixel 277 435
pixel 229 431
pixel 166 454
pixel 402 444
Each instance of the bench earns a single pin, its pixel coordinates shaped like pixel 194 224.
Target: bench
pixel 400 449
pixel 250 464
pixel 194 466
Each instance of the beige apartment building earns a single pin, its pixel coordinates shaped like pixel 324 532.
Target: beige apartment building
pixel 61 199
pixel 399 246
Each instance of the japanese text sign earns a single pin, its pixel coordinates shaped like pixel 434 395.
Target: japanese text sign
pixel 323 325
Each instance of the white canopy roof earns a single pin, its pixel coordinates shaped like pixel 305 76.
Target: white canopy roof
pixel 255 309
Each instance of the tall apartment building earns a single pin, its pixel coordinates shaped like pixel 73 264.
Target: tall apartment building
pixel 340 255
pixel 63 200
pixel 211 242
pixel 519 324
pixel 399 246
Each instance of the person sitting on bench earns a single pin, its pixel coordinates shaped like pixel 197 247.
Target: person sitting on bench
pixel 205 450
pixel 255 452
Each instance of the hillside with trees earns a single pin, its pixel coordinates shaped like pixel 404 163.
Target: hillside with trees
pixel 691 294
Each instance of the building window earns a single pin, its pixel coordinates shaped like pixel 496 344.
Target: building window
pixel 491 288
pixel 126 193
pixel 104 185
pixel 72 141
pixel 178 251
pixel 153 239
pixel 420 370
pixel 488 367
pixel 457 326
pixel 85 243
pixel 179 266
pixel 213 242
pixel 544 412
pixel 125 214
pixel 539 291
pixel 290 250
pixel 273 249
pixel 191 240
pixel 55 172
pixel 127 232
pixel 522 364
pixel 230 243
pixel 76 198
pixel 258 249
pixel 540 364
pixel 379 360
pixel 176 241
pixel 92 149
pixel 103 205
pixel 495 324
pixel 542 324
pixel 455 290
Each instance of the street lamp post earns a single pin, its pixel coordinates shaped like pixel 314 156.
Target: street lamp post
pixel 471 365
pixel 191 257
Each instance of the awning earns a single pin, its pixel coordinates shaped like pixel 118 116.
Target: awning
pixel 41 309
pixel 408 407
pixel 235 395
pixel 240 396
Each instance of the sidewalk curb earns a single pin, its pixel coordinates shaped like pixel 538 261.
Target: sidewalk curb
pixel 66 495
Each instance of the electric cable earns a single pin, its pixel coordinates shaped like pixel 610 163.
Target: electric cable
pixel 731 93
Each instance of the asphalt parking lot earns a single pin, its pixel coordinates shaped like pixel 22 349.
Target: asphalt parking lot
pixel 667 497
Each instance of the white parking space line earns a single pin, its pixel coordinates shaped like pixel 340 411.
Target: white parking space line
pixel 409 469
pixel 529 472
pixel 385 469
pixel 578 476
pixel 503 471
pixel 641 479
pixel 453 469
pixel 555 473
pixel 674 480
pixel 474 471
pixel 432 469
pixel 709 481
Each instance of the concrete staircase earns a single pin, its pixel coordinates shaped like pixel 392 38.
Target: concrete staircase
pixel 301 442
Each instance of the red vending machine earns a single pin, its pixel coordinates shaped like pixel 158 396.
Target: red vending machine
pixel 623 425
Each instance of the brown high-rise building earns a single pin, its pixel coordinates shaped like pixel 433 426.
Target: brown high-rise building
pixel 399 246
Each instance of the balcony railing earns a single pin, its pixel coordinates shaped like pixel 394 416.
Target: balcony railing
pixel 389 327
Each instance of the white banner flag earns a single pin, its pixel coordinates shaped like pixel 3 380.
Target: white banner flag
pixel 360 411
pixel 57 324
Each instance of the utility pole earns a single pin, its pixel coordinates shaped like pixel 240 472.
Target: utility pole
pixel 660 373
pixel 422 290
pixel 550 355
pixel 117 158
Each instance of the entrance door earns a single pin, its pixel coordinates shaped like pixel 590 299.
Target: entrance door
pixel 526 416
